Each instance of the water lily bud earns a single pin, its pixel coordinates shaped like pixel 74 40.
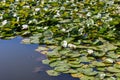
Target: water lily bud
pixel 64 44
pixel 4 22
pixel 37 9
pixel 90 51
pixel 25 26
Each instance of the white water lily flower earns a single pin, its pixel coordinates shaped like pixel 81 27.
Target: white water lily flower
pixel 45 28
pixel 102 76
pixel 57 14
pixel 72 46
pixel 1 17
pixel 26 6
pixel 89 14
pixel 18 18
pixel 4 0
pixel 45 8
pixel 14 15
pixel 64 44
pixel 90 51
pixel 63 29
pixel 25 26
pixel 30 21
pixel 98 15
pixel 4 22
pixel 37 9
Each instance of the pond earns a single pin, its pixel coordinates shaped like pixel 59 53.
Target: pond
pixel 21 62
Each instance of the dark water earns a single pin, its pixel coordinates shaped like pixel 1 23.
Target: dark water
pixel 21 62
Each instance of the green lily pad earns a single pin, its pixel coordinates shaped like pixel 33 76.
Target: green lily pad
pixel 117 66
pixel 75 62
pixel 101 69
pixel 98 64
pixel 52 73
pixel 112 69
pixel 111 78
pixel 87 78
pixel 84 59
pixel 118 75
pixel 73 55
pixel 112 55
pixel 89 72
pixel 75 65
pixel 53 54
pixel 107 46
pixel 71 71
pixel 26 41
pixel 108 60
pixel 48 33
pixel 41 48
pixel 63 68
pixel 46 61
pixel 98 54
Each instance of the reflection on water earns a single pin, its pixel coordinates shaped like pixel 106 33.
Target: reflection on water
pixel 21 62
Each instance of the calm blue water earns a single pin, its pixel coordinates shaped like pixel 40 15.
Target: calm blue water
pixel 21 62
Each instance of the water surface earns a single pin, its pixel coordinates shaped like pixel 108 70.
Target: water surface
pixel 21 62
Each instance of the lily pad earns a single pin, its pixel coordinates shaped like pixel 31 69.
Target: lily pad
pixel 63 68
pixel 42 48
pixel 112 69
pixel 77 75
pixel 87 78
pixel 98 64
pixel 101 69
pixel 52 73
pixel 26 41
pixel 89 72
pixel 46 61
pixel 108 60
pixel 118 75
pixel 98 54
pixel 72 71
pixel 112 55
pixel 84 59
pixel 117 66
pixel 107 46
pixel 75 65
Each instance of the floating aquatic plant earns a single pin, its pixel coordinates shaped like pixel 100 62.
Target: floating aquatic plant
pixel 82 37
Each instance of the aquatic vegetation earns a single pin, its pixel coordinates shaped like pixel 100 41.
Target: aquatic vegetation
pixel 82 37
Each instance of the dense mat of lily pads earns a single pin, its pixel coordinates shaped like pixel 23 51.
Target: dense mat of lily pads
pixel 82 37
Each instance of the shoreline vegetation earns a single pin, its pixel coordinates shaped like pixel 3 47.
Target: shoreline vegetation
pixel 81 37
